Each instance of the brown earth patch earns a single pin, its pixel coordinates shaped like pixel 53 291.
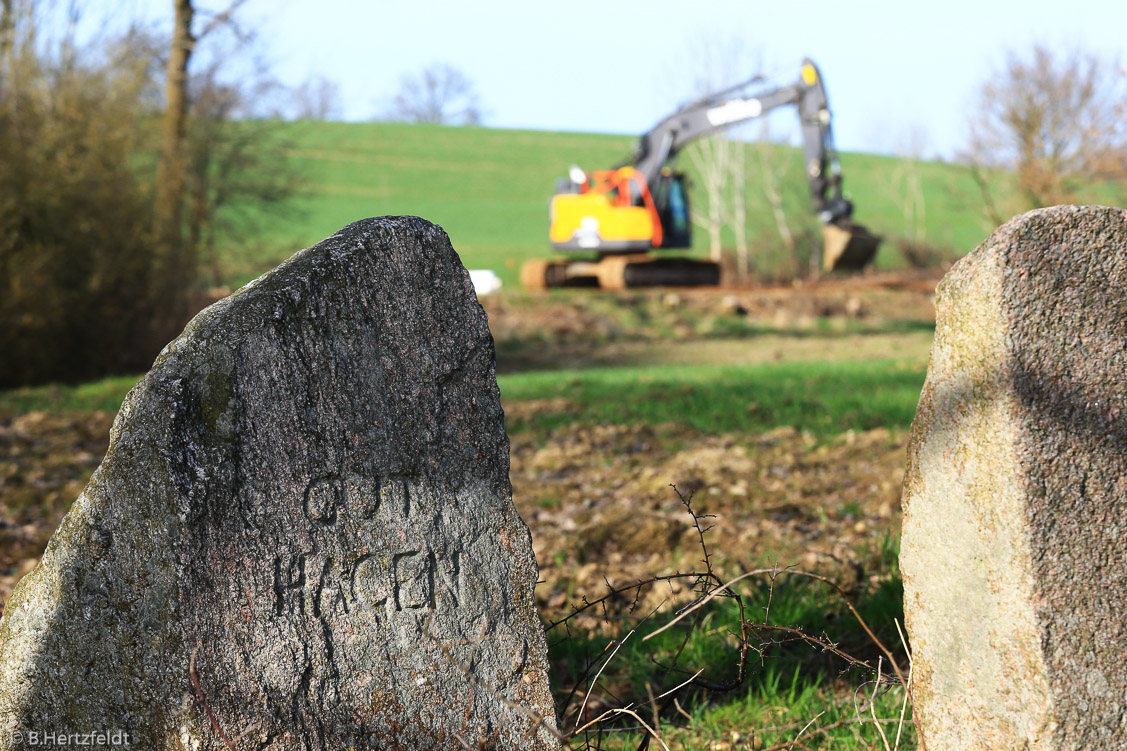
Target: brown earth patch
pixel 597 499
pixel 602 510
pixel 45 461
pixel 586 328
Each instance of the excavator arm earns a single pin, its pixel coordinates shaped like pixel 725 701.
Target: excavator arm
pixel 823 170
pixel 703 118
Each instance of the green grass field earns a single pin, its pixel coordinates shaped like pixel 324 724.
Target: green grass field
pixel 821 398
pixel 490 188
pixel 106 394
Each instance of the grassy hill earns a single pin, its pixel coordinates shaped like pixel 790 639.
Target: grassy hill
pixel 490 189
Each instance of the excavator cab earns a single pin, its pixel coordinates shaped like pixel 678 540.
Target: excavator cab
pixel 671 199
pixel 620 216
pixel 614 212
pixel 619 212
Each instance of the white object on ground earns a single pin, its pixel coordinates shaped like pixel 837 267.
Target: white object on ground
pixel 485 282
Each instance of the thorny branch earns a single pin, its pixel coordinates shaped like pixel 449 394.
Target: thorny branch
pixel 708 586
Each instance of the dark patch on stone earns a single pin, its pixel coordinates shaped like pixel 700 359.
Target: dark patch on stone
pixel 1065 288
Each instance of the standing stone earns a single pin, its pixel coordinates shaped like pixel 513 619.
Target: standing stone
pixel 1014 547
pixel 305 509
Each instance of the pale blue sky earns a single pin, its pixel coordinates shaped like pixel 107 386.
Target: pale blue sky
pixel 891 68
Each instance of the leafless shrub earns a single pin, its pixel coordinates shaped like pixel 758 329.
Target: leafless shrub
pixel 74 207
pixel 921 255
pixel 315 99
pixel 102 226
pixel 440 94
pixel 1049 127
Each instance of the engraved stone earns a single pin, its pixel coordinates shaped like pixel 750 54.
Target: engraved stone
pixel 306 510
pixel 1015 496
pixel 321 500
pixel 414 585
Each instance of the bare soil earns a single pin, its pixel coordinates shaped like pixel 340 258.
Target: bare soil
pixel 603 509
pixel 590 328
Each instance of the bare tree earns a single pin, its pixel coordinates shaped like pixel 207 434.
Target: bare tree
pixel 7 32
pixel 774 175
pixel 906 187
pixel 176 259
pixel 719 160
pixel 1050 125
pixel 237 170
pixel 439 94
pixel 169 203
pixel 738 176
pixel 710 158
pixel 316 99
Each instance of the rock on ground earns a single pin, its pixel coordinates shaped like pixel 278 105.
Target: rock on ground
pixel 1015 498
pixel 303 535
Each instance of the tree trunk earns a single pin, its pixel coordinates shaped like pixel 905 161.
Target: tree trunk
pixel 710 155
pixel 7 40
pixel 739 210
pixel 173 262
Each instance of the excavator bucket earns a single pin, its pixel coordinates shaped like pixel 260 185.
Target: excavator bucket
pixel 849 247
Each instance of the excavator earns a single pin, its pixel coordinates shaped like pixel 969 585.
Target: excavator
pixel 618 216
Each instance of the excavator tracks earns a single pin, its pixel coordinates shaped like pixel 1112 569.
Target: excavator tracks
pixel 617 272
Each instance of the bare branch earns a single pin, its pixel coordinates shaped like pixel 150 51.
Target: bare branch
pixel 727 587
pixel 709 586
pixel 221 19
pixel 591 688
pixel 1055 122
pixel 440 94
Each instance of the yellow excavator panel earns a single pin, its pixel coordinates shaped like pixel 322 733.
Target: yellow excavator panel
pixel 592 220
